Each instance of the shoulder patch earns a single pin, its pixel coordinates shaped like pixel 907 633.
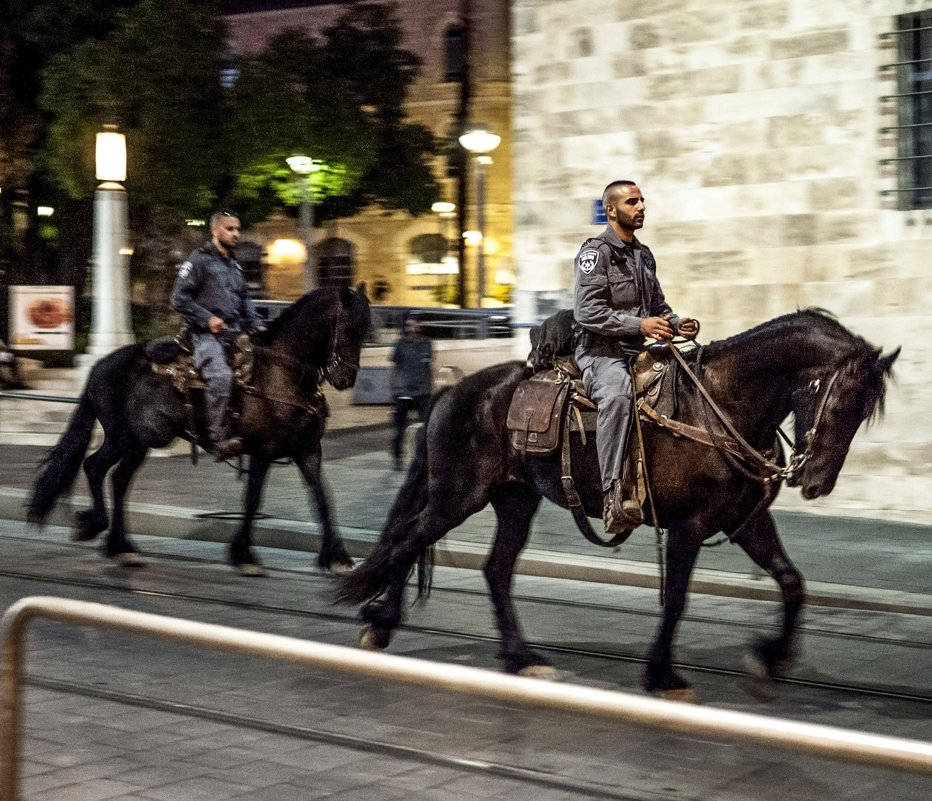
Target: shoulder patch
pixel 587 260
pixel 184 269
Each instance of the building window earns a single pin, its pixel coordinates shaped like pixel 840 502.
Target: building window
pixel 913 37
pixel 335 262
pixel 455 54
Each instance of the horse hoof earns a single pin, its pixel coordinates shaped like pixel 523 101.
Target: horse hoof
pixel 250 570
pixel 545 672
pixel 759 682
pixel 684 695
pixel 129 559
pixel 368 640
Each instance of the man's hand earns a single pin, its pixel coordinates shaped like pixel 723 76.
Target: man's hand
pixel 658 328
pixel 688 328
pixel 216 324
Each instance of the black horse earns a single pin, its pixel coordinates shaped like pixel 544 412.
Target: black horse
pixel 281 416
pixel 806 363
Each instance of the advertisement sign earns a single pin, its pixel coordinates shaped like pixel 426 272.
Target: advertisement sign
pixel 42 317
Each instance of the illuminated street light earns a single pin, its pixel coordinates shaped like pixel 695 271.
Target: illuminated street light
pixel 111 326
pixel 304 166
pixel 480 142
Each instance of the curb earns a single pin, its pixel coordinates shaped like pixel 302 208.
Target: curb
pixel 206 526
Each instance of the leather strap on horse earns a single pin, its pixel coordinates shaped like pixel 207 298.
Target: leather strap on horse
pixel 661 557
pixel 573 501
pixel 770 469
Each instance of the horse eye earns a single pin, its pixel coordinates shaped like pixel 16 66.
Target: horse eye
pixel 815 385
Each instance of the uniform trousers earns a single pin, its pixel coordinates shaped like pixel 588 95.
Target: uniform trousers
pixel 211 360
pixel 608 383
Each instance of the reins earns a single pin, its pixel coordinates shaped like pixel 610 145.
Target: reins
pixel 769 470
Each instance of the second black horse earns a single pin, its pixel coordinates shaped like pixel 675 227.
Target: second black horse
pixel 282 416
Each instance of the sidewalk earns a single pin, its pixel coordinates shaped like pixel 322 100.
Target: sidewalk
pixel 846 561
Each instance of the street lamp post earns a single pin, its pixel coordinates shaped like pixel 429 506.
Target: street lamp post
pixel 304 166
pixel 111 326
pixel 480 142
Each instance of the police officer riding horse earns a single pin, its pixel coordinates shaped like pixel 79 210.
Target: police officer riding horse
pixel 210 293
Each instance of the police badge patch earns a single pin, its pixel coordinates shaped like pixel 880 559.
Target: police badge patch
pixel 588 260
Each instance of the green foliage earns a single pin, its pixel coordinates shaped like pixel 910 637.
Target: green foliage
pixel 156 76
pixel 153 68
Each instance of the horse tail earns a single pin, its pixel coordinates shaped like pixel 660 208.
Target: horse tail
pixel 60 465
pixel 374 574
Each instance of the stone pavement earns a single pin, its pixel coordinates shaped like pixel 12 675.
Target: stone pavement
pixel 111 716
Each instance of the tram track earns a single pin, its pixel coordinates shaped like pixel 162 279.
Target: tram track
pixel 893 694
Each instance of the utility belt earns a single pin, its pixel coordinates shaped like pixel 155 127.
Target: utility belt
pixel 602 345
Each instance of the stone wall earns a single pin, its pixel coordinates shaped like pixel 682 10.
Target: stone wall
pixel 753 129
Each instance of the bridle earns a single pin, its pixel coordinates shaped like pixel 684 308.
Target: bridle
pixel 798 460
pixel 336 360
pixel 762 468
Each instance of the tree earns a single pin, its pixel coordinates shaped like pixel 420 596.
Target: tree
pixel 284 102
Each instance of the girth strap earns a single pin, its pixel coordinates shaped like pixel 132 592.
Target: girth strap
pixel 573 501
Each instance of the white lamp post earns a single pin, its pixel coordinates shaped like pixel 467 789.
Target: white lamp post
pixel 480 142
pixel 304 166
pixel 111 325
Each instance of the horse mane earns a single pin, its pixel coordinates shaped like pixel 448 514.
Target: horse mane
pixel 812 318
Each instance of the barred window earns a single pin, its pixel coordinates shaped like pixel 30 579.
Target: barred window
pixel 913 37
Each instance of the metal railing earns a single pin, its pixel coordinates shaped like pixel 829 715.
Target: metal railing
pixel 824 741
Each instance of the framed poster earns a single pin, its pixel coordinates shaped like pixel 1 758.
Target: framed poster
pixel 42 317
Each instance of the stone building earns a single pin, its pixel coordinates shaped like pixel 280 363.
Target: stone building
pixel 392 248
pixel 785 149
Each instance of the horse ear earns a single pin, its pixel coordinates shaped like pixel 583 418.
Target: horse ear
pixel 886 362
pixel 361 288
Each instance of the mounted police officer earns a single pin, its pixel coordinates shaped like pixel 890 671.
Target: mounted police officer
pixel 210 294
pixel 618 303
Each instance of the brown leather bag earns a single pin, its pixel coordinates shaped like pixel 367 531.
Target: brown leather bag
pixel 536 413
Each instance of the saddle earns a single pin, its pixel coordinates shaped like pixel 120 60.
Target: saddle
pixel 175 358
pixel 547 407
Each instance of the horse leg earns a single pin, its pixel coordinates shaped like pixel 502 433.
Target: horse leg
pixel 332 556
pixel 514 506
pixel 118 545
pixel 759 539
pixel 660 678
pixel 240 553
pixel 404 541
pixel 90 522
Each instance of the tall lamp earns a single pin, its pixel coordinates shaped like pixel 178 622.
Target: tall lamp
pixel 304 166
pixel 111 325
pixel 480 142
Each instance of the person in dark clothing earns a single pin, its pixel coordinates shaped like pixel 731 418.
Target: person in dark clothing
pixel 411 379
pixel 618 303
pixel 210 294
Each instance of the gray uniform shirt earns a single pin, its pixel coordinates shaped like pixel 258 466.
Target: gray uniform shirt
pixel 209 285
pixel 616 286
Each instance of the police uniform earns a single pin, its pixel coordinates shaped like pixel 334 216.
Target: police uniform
pixel 210 285
pixel 615 288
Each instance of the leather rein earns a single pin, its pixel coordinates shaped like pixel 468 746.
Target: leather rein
pixel 767 470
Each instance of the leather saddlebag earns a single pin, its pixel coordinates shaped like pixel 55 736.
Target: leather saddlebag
pixel 536 413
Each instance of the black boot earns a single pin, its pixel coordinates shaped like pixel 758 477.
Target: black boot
pixel 227 449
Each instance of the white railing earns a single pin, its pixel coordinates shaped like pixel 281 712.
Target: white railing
pixel 824 741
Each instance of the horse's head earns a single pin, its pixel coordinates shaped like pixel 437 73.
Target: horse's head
pixel 828 408
pixel 351 325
